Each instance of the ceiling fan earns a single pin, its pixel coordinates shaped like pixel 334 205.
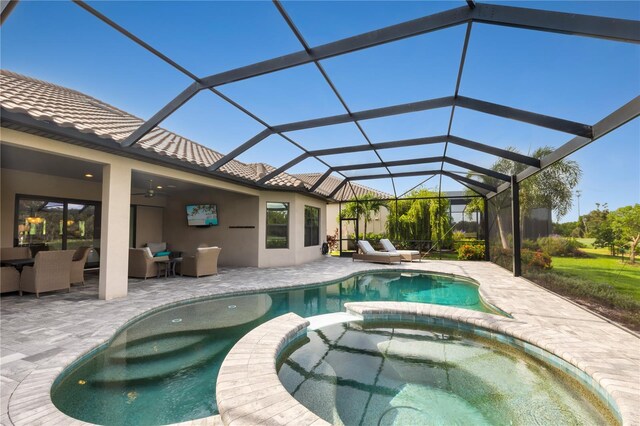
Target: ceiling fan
pixel 150 192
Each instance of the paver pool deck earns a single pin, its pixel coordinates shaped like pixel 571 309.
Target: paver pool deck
pixel 40 337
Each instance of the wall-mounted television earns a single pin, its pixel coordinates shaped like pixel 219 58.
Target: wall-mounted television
pixel 202 215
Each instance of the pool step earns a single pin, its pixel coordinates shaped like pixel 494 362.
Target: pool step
pixel 142 351
pixel 156 368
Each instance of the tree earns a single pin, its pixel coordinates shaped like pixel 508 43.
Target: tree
pixel 593 220
pixel 566 229
pixel 625 223
pixel 364 207
pixel 423 216
pixel 551 187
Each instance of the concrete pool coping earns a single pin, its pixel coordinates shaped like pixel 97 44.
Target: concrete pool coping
pixel 40 337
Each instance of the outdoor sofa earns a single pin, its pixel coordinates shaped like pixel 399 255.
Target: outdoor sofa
pixel 407 255
pixel 368 254
pixel 142 264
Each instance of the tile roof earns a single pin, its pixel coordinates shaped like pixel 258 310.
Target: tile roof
pixel 346 193
pixel 69 108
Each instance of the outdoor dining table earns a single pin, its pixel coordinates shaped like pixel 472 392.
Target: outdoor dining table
pixel 18 263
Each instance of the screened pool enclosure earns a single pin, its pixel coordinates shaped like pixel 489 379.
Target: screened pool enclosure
pixel 359 134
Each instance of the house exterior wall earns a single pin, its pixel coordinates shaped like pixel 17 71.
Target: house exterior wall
pixel 376 225
pixel 242 210
pixel 149 225
pixel 236 233
pixel 296 253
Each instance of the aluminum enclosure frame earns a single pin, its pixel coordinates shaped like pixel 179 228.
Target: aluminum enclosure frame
pixel 613 29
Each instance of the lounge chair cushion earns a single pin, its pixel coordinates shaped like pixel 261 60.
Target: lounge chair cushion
pixel 388 246
pixel 366 247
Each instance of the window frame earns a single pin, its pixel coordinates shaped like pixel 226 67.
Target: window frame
pixel 268 225
pixel 97 231
pixel 307 227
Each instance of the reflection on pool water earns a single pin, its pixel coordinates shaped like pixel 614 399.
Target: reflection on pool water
pixel 163 368
pixel 361 374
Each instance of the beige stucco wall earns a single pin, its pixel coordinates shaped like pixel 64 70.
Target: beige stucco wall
pixel 297 253
pixel 14 182
pixel 237 206
pixel 376 225
pixel 149 225
pixel 239 245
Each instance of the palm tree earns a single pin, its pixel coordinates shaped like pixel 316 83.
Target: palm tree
pixel 363 207
pixel 551 187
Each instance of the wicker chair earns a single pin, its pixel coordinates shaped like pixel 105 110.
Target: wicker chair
pixel 51 271
pixel 9 279
pixel 77 265
pixel 142 264
pixel 205 262
pixel 10 253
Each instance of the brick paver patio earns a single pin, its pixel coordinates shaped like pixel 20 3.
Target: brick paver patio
pixel 42 336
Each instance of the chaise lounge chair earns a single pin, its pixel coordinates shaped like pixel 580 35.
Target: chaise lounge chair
pixel 368 254
pixel 407 255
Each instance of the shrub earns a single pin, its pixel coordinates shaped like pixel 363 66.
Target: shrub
pixel 534 260
pixel 471 252
pixel 530 245
pixel 555 245
pixel 459 235
pixel 332 240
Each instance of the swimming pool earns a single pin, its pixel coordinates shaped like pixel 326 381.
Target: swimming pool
pixel 162 368
pixel 357 373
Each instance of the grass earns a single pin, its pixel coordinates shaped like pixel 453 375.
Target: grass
pixel 607 284
pixel 599 297
pixel 600 267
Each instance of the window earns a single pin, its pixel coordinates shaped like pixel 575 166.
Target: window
pixel 54 224
pixel 277 225
pixel 311 226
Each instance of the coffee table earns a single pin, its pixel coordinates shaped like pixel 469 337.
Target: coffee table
pixel 168 267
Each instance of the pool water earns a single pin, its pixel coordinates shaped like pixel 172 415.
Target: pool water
pixel 357 374
pixel 163 368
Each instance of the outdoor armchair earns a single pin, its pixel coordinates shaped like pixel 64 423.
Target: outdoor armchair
pixel 77 265
pixel 11 253
pixel 9 279
pixel 204 262
pixel 368 254
pixel 142 264
pixel 407 255
pixel 51 271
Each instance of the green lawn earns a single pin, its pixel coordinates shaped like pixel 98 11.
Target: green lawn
pixel 600 267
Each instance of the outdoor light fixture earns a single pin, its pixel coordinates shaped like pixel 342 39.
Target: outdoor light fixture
pixel 88 175
pixel 159 187
pixel 34 220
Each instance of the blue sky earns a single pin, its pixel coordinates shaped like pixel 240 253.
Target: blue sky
pixel 576 78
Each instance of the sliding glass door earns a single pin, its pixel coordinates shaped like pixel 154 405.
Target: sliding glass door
pixel 56 224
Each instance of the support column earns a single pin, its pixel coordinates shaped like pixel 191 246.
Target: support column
pixel 485 225
pixel 515 225
pixel 114 238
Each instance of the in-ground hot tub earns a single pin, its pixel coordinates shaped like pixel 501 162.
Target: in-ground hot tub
pixel 382 373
